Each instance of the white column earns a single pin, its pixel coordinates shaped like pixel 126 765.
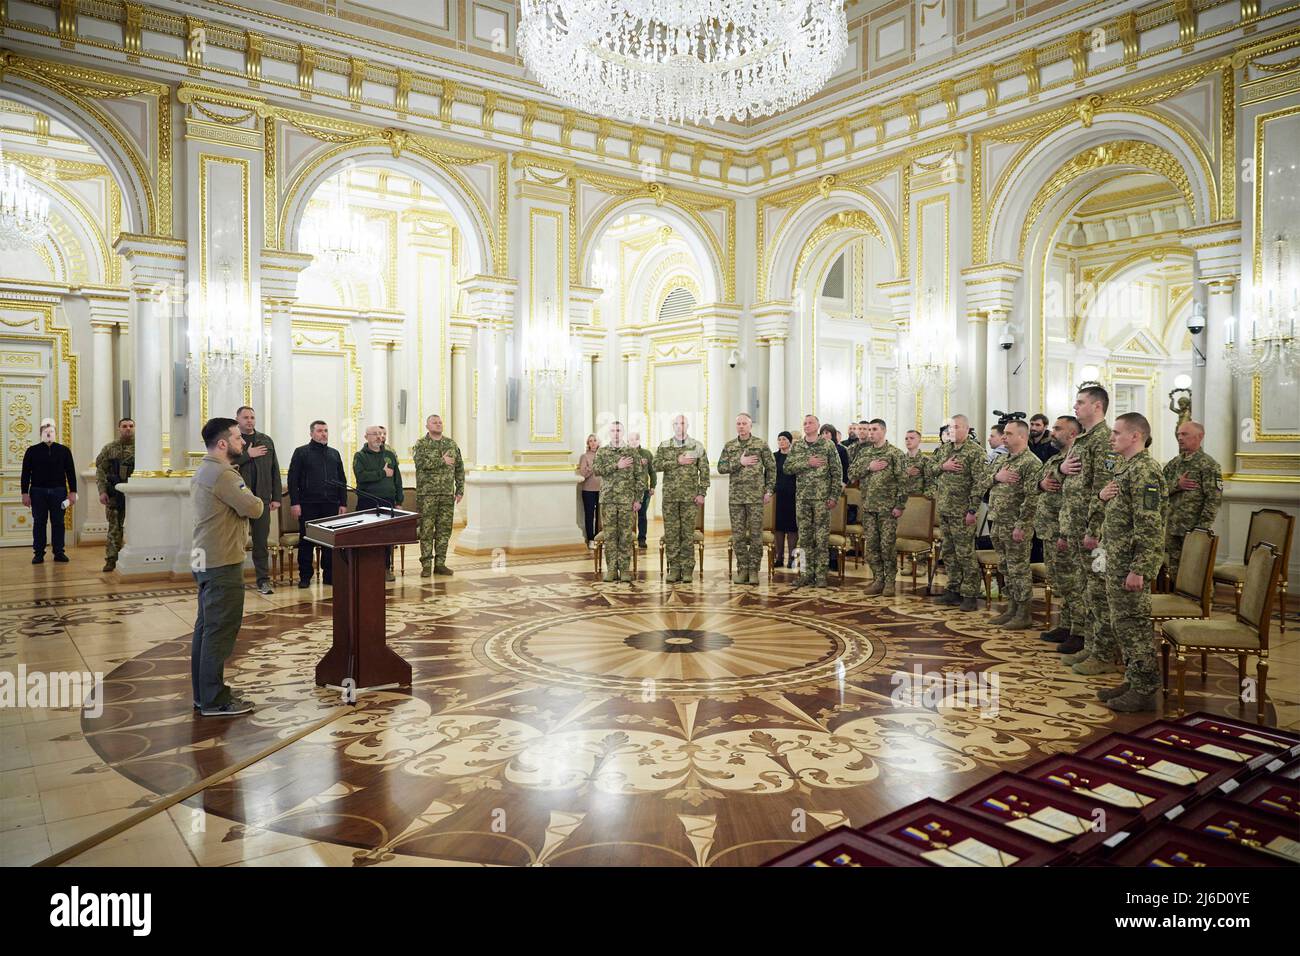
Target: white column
pixel 776 415
pixel 459 411
pixel 499 450
pixel 634 405
pixel 1215 379
pixel 102 374
pixel 279 290
pixel 994 372
pixel 485 416
pixel 146 381
pixel 377 404
pixel 588 396
pixel 719 407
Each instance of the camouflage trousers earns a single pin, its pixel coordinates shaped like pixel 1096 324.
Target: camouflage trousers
pixel 814 521
pixel 879 534
pixel 1015 562
pixel 679 535
pixel 1098 634
pixel 959 555
pixel 113 543
pixel 1135 634
pixel 1062 574
pixel 436 512
pixel 618 524
pixel 747 534
pixel 1173 552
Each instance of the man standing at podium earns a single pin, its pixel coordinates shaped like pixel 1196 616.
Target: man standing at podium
pixel 318 488
pixel 378 474
pixel 439 486
pixel 223 506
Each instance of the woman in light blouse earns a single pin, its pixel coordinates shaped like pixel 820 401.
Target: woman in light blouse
pixel 590 485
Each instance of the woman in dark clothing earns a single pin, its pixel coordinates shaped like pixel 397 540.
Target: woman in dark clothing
pixel 787 530
pixel 834 434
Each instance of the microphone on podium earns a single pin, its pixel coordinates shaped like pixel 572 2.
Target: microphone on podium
pixel 392 507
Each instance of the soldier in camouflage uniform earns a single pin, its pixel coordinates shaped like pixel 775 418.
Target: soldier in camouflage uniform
pixel 1062 568
pixel 1087 469
pixel 685 468
pixel 1195 486
pixel 643 514
pixel 880 469
pixel 622 484
pixel 439 486
pixel 819 482
pixel 917 477
pixel 114 464
pixel 961 475
pixel 1013 495
pixel 752 467
pixel 1132 532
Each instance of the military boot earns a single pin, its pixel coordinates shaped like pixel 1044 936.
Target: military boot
pixel 673 576
pixel 1095 665
pixel 887 590
pixel 1110 693
pixel 687 576
pixel 1056 635
pixel 740 577
pixel 1131 702
pixel 110 566
pixel 969 604
pixel 952 598
pixel 1023 618
pixel 443 569
pixel 752 576
pixel 426 571
pixel 625 574
pixel 875 587
pixel 1069 660
pixel 1007 613
pixel 1071 645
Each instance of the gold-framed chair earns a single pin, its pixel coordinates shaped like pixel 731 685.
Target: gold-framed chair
pixel 697 537
pixel 769 538
pixel 1193 591
pixel 598 552
pixel 853 531
pixel 837 539
pixel 1244 634
pixel 989 563
pixel 290 534
pixel 916 537
pixel 1276 527
pixel 1038 575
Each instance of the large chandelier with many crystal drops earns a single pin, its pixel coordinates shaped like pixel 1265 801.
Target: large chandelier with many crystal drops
pixel 24 212
pixel 927 352
pixel 682 60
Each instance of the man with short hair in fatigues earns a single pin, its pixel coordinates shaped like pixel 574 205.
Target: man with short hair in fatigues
pixel 880 470
pixel 917 476
pixel 113 465
pixel 819 482
pixel 622 484
pixel 752 467
pixel 684 465
pixel 439 487
pixel 1062 567
pixel 1132 533
pixel 961 475
pixel 1195 484
pixel 1012 496
pixel 1087 468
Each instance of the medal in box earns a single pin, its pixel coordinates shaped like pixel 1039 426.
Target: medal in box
pixel 1255 830
pixel 1146 796
pixel 1271 793
pixel 842 847
pixel 1170 846
pixel 1209 724
pixel 1163 762
pixel 942 835
pixel 1249 754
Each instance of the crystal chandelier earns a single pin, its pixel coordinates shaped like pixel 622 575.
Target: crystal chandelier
pixel 682 60
pixel 24 212
pixel 927 350
pixel 227 338
pixel 547 352
pixel 1264 341
pixel 336 236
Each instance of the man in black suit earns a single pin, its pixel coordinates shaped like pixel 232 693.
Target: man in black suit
pixel 48 479
pixel 317 489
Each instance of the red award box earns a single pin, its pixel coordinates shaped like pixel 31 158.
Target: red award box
pixel 1168 845
pixel 1075 822
pixel 1271 793
pixel 1267 834
pixel 1148 797
pixel 1248 754
pixel 1162 762
pixel 1209 724
pixel 841 847
pixel 941 835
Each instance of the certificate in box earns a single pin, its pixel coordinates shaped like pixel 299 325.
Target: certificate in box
pixel 1162 762
pixel 1249 754
pixel 1073 821
pixel 1263 833
pixel 1271 793
pixel 1169 846
pixel 843 847
pixel 1146 796
pixel 1209 724
pixel 942 835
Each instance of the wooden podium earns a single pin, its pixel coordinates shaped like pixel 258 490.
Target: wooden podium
pixel 359 541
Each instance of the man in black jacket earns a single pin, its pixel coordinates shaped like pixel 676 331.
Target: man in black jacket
pixel 48 479
pixel 260 468
pixel 317 489
pixel 1040 438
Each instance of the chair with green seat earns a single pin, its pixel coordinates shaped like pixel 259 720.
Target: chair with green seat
pixel 990 562
pixel 1266 524
pixel 1038 575
pixel 287 540
pixel 1193 592
pixel 916 537
pixel 837 540
pixel 853 532
pixel 1245 634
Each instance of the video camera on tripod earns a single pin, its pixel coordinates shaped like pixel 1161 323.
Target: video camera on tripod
pixel 1004 417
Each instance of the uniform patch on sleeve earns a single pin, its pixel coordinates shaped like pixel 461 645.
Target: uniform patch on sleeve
pixel 1218 483
pixel 1151 497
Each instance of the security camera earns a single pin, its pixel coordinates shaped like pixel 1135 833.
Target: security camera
pixel 1196 320
pixel 733 358
pixel 1006 341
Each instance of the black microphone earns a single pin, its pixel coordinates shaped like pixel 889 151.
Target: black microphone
pixel 392 508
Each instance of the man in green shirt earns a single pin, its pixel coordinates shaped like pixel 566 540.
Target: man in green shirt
pixel 379 478
pixel 439 486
